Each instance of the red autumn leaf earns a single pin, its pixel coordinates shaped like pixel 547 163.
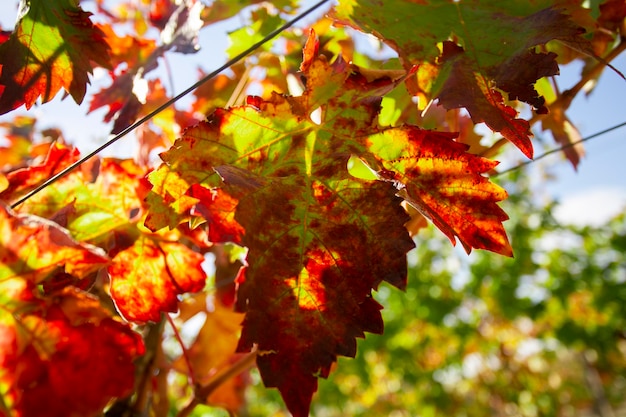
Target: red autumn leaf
pixel 218 208
pixel 147 277
pixel 314 264
pixel 130 97
pixel 518 75
pixel 53 46
pixel 446 185
pixel 56 360
pixel 319 240
pixel 161 11
pixel 466 88
pixel 121 99
pixel 50 351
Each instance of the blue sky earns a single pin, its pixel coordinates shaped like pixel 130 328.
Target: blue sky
pixel 599 185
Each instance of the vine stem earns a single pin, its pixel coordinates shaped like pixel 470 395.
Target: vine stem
pixel 152 342
pixel 201 393
pixel 168 103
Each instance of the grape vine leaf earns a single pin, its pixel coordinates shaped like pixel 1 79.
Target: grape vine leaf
pixel 34 248
pixel 483 103
pixel 316 251
pixel 263 24
pixel 90 203
pixel 131 94
pixel 320 240
pixel 612 14
pixel 103 207
pixel 22 180
pixel 147 277
pixel 53 46
pixel 218 208
pixel 52 347
pixel 121 97
pixel 445 184
pixel 56 356
pixel 565 134
pixel 112 201
pixel 18 135
pixel 160 12
pixel 226 9
pixel 501 60
pixel 128 49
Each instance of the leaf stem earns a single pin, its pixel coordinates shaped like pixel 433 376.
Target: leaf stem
pixel 192 379
pixel 243 81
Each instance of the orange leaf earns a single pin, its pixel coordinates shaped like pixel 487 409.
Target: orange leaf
pixel 147 277
pixel 33 248
pixel 127 49
pixel 24 179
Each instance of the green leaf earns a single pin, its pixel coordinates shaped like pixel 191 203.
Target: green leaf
pixel 54 46
pixel 479 64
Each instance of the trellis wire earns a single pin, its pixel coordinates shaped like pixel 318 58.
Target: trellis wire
pixel 165 105
pixel 560 148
